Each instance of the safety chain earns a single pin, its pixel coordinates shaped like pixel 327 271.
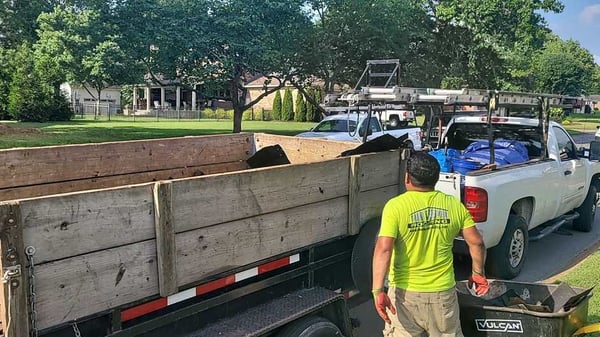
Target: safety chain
pixel 76 329
pixel 29 252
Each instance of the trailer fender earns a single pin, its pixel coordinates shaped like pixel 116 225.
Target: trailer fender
pixel 362 255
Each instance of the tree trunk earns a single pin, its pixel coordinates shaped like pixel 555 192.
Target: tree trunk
pixel 237 118
pixel 238 104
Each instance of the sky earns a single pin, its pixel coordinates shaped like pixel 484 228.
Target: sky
pixel 579 21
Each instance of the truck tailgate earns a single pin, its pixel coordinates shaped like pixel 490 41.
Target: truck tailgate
pixel 450 183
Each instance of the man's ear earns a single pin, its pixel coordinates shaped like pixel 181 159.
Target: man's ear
pixel 406 178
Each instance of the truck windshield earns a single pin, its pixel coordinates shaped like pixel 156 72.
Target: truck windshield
pixel 336 125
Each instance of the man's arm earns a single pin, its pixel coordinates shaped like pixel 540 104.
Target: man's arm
pixel 381 263
pixel 381 260
pixel 476 248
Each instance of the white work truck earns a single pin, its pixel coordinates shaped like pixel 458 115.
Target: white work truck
pixel 521 201
pixel 343 127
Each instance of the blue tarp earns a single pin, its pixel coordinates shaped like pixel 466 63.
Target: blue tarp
pixel 506 152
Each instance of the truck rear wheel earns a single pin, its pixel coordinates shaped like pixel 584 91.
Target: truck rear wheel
pixel 587 211
pixel 361 266
pixel 505 261
pixel 312 326
pixel 394 121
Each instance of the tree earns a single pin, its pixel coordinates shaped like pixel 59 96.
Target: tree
pixel 287 109
pixel 319 99
pixel 251 38
pixel 310 108
pixel 85 44
pixel 277 106
pixel 31 99
pixel 563 67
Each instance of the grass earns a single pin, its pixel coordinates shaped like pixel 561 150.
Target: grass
pixel 90 131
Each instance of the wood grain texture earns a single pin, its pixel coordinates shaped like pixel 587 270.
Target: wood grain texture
pixel 165 239
pixel 32 166
pixel 205 201
pixel 73 224
pixel 354 196
pixel 304 150
pixel 31 191
pixel 372 202
pixel 379 170
pixel 208 251
pixel 83 285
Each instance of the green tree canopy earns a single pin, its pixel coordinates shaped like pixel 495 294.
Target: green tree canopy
pixel 277 106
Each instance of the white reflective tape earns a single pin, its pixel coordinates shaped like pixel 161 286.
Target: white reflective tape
pixel 181 296
pixel 294 258
pixel 246 274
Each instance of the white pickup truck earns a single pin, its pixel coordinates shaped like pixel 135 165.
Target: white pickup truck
pixel 343 127
pixel 523 200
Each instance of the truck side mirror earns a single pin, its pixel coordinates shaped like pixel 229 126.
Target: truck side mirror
pixel 594 150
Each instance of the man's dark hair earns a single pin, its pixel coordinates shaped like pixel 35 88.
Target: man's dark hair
pixel 423 169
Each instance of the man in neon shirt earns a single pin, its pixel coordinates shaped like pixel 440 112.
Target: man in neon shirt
pixel 414 247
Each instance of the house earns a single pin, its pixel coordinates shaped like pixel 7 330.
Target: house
pixel 83 98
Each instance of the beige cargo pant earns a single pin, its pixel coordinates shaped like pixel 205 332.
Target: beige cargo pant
pixel 424 314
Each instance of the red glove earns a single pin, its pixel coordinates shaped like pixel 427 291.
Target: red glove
pixel 480 284
pixel 382 302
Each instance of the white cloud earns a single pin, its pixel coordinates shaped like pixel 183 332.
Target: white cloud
pixel 590 14
pixel 597 59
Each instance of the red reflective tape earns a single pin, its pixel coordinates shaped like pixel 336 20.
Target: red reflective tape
pixel 273 265
pixel 143 309
pixel 214 285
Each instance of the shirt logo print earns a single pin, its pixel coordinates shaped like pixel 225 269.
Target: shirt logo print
pixel 429 218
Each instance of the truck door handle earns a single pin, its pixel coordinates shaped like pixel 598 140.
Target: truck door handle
pixel 567 172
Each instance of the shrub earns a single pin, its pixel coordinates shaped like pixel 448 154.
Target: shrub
pixel 277 106
pixel 220 113
pixel 287 108
pixel 208 113
pixel 300 115
pixel 557 114
pixel 310 108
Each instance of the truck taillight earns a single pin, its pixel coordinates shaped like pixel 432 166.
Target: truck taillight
pixel 476 201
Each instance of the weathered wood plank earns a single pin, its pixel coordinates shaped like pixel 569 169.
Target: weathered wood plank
pixel 15 292
pixel 205 201
pixel 379 170
pixel 372 202
pixel 354 196
pixel 303 150
pixel 41 165
pixel 31 191
pixel 165 239
pixel 72 224
pixel 86 284
pixel 242 242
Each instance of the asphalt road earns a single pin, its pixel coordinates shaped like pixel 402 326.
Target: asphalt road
pixel 546 259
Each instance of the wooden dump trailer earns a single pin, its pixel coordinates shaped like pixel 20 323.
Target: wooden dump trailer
pixel 178 235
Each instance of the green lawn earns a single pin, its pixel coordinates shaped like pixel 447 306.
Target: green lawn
pixel 89 131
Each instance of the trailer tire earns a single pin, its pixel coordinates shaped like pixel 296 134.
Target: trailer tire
pixel 505 260
pixel 587 211
pixel 361 266
pixel 312 326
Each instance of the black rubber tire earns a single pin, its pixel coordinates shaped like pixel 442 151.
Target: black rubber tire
pixel 361 265
pixel 394 121
pixel 505 260
pixel 587 212
pixel 403 124
pixel 311 326
pixel 408 145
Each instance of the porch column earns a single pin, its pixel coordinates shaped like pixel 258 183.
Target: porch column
pixel 148 98
pixel 178 97
pixel 194 99
pixel 134 99
pixel 162 97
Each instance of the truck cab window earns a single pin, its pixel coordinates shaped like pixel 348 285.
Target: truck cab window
pixel 566 147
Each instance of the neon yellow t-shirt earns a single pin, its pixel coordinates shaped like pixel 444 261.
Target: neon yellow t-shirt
pixel 424 225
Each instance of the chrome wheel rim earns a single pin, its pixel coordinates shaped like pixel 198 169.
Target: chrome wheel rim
pixel 517 247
